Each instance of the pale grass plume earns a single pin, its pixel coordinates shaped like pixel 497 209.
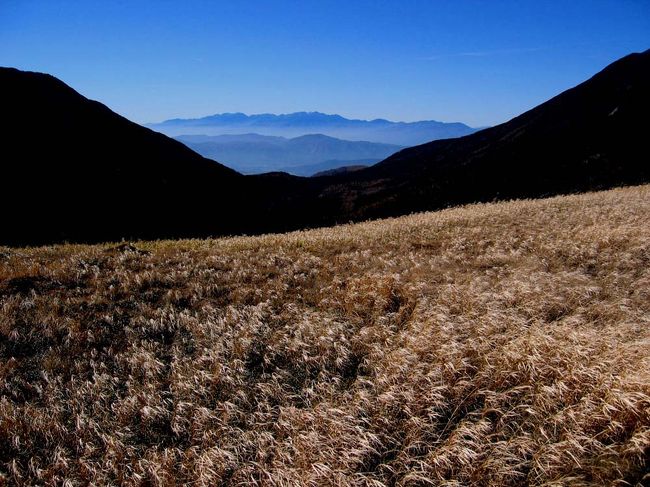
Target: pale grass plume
pixel 497 344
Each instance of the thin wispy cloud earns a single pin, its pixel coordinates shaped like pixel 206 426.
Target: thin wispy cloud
pixel 485 53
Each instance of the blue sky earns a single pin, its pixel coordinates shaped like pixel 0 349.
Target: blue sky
pixel 480 62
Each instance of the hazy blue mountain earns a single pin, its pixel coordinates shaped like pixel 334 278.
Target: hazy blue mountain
pixel 301 123
pixel 302 156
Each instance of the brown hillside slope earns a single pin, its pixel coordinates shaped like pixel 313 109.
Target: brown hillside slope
pixel 497 344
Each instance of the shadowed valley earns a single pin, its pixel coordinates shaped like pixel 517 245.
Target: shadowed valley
pixel 79 172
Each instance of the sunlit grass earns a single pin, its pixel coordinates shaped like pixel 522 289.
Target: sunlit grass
pixel 499 344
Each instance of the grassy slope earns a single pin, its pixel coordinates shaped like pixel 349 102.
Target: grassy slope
pixel 486 345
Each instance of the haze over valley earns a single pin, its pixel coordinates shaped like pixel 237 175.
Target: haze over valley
pixel 301 156
pixel 302 143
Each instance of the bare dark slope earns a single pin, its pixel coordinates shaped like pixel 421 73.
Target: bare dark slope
pixel 73 170
pixel 94 175
pixel 592 136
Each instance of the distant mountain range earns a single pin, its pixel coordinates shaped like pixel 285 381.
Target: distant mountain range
pixel 301 123
pixel 301 156
pixel 95 176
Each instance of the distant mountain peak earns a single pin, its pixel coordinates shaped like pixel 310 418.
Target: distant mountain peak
pixel 296 124
pixel 313 115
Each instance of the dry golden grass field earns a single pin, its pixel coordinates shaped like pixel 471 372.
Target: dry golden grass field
pixel 497 344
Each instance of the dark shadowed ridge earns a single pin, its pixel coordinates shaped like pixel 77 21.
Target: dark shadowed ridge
pixel 73 170
pixel 593 136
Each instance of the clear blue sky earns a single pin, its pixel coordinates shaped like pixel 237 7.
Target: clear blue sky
pixel 480 62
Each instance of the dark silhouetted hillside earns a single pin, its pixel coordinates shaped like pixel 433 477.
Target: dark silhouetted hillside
pixel 73 170
pixel 340 170
pixel 593 136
